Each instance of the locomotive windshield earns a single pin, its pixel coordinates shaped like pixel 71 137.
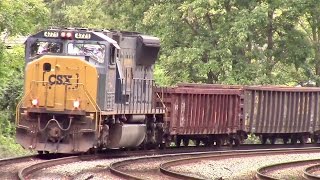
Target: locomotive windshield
pixel 89 45
pixel 95 51
pixel 45 47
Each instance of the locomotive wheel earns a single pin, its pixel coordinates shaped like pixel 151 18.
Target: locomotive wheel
pixel 185 141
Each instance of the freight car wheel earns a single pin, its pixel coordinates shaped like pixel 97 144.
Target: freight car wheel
pixel 178 141
pixel 185 141
pixel 303 140
pixel 294 140
pixel 237 142
pixel 40 152
pixel 285 140
pixel 263 139
pixel 314 140
pixel 197 142
pixel 273 140
pixel 218 142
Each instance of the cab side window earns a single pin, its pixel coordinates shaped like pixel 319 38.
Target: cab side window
pixel 113 55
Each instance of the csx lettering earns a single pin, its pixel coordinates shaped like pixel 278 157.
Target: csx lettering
pixel 82 36
pixel 59 79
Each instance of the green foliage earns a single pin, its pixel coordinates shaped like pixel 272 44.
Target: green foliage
pixel 22 16
pixel 11 78
pixel 252 139
pixel 9 148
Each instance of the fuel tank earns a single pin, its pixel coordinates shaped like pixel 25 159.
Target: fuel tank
pixel 126 135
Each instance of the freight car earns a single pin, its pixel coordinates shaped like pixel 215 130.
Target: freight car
pixel 86 88
pixel 205 113
pixel 288 113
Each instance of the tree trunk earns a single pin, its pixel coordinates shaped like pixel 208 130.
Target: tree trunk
pixel 270 60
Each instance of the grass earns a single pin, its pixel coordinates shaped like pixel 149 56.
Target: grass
pixel 9 148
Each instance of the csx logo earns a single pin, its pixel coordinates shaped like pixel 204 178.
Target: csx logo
pixel 59 79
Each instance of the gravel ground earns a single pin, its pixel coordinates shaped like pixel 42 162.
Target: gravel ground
pixel 10 171
pixel 238 168
pixel 99 169
pixel 148 168
pixel 93 170
pixel 295 172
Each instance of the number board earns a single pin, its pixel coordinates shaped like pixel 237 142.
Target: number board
pixel 82 35
pixel 51 34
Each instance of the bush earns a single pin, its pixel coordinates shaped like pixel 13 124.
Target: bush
pixel 9 148
pixel 252 139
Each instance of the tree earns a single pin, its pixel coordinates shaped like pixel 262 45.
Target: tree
pixel 22 16
pixel 232 41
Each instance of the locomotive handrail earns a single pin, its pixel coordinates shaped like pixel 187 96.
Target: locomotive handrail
pixel 161 100
pixel 20 102
pixel 95 105
pixel 90 99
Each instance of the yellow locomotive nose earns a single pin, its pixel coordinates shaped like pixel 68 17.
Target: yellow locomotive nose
pixel 59 100
pixel 56 82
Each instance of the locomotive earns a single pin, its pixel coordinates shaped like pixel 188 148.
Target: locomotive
pixel 88 88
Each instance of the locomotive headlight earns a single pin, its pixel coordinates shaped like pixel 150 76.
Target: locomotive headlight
pixel 63 34
pixel 69 34
pixel 34 102
pixel 76 103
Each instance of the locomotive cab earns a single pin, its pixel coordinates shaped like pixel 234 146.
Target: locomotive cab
pixel 85 89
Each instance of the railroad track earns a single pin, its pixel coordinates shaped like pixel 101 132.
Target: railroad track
pixel 312 172
pixel 161 169
pixel 160 166
pixel 298 169
pixel 9 167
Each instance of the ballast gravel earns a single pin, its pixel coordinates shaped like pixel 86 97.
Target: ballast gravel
pixel 242 167
pixel 93 170
pixel 294 172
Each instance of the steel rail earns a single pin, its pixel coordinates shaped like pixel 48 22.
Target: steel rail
pixel 27 171
pixel 260 174
pixel 114 167
pixel 17 159
pixel 308 172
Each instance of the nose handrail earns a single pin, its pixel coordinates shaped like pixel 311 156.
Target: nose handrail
pixel 97 109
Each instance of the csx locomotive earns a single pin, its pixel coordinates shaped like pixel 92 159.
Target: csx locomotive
pixel 89 89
